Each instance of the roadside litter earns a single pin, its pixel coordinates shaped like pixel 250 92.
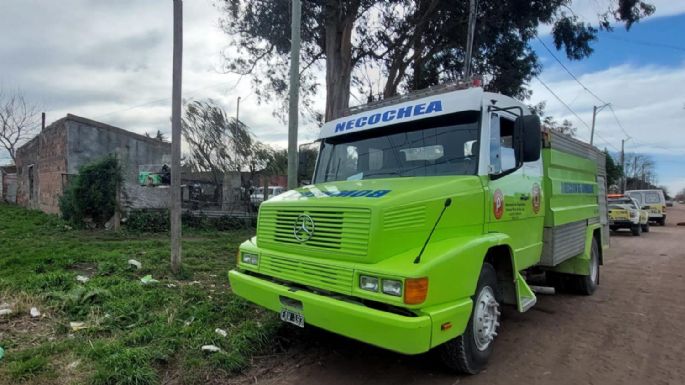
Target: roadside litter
pixel 34 312
pixel 146 280
pixel 76 326
pixel 211 348
pixel 221 332
pixel 82 279
pixel 134 263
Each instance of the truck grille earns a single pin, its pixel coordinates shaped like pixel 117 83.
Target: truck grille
pixel 333 278
pixel 343 231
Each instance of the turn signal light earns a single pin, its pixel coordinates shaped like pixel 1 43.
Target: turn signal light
pixel 415 290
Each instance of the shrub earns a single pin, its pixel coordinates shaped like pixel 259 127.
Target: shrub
pixel 148 221
pixel 92 193
pixel 157 221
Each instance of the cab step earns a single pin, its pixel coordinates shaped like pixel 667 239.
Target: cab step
pixel 526 299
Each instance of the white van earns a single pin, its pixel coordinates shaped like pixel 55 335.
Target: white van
pixel 653 201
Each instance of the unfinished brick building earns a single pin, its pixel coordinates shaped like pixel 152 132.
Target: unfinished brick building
pixel 45 163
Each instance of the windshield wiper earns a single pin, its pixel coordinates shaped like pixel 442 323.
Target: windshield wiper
pixel 382 173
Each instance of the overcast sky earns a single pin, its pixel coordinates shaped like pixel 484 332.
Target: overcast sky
pixel 111 61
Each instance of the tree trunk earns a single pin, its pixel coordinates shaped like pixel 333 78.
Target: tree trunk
pixel 339 25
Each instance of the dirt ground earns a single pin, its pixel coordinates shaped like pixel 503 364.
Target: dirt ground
pixel 629 332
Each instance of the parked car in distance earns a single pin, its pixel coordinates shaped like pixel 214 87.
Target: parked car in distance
pixel 669 203
pixel 625 213
pixel 652 200
pixel 257 197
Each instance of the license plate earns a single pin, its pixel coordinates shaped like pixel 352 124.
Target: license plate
pixel 292 317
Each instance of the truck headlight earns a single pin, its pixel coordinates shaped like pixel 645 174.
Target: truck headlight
pixel 634 213
pixel 368 283
pixel 392 287
pixel 250 259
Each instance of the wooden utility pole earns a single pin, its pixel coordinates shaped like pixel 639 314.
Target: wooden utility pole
pixel 469 40
pixel 623 165
pixel 595 110
pixel 175 193
pixel 294 93
pixel 237 112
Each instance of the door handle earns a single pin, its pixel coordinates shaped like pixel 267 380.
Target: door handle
pixel 525 197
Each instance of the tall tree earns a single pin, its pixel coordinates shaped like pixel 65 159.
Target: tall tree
pixel 640 171
pixel 217 144
pixel 548 122
pixel 614 171
pixel 18 121
pixel 413 43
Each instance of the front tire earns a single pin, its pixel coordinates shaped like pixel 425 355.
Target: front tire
pixel 469 353
pixel 645 228
pixel 636 230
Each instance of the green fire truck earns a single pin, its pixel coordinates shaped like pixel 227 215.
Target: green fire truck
pixel 426 215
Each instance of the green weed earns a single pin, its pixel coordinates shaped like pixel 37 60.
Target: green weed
pixel 134 331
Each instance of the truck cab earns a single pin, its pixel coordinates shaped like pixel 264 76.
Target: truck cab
pixel 425 215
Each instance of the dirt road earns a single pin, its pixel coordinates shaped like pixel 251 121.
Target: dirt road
pixel 629 332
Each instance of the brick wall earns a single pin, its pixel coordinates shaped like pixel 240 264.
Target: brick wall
pixel 45 154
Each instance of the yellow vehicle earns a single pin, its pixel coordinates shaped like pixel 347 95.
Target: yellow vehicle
pixel 653 201
pixel 625 213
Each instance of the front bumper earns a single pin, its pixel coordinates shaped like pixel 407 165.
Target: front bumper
pixel 403 334
pixel 621 223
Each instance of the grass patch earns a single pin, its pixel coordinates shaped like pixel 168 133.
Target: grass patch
pixel 131 333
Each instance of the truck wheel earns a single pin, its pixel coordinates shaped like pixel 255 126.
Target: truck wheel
pixel 469 352
pixel 645 228
pixel 636 230
pixel 662 221
pixel 587 284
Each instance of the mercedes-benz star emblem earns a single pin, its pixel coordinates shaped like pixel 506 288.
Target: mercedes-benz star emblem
pixel 303 228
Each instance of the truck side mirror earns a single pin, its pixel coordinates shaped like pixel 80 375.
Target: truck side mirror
pixel 529 137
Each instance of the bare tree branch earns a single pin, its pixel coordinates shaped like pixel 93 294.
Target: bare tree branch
pixel 18 121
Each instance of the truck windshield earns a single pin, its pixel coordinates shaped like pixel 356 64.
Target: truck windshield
pixel 446 145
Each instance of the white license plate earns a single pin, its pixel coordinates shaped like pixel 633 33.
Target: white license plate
pixel 292 317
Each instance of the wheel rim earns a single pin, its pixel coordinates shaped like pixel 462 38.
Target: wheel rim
pixel 594 266
pixel 485 318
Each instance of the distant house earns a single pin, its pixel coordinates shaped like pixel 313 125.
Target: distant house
pixel 47 162
pixel 8 184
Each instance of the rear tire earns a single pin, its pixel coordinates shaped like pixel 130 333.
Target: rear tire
pixel 587 284
pixel 636 230
pixel 469 353
pixel 645 228
pixel 662 221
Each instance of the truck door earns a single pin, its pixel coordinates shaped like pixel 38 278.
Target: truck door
pixel 515 197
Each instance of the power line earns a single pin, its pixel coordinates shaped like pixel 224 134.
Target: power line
pixel 569 72
pixel 618 122
pixel 573 112
pixel 647 43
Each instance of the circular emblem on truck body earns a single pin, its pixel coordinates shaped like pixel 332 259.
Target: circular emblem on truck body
pixel 303 229
pixel 536 198
pixel 498 204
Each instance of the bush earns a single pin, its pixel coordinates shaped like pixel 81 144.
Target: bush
pixel 148 221
pixel 92 194
pixel 157 221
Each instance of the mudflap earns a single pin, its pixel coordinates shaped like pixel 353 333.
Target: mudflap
pixel 525 296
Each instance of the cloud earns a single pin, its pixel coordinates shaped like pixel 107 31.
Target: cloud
pixel 647 101
pixel 111 61
pixel 649 105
